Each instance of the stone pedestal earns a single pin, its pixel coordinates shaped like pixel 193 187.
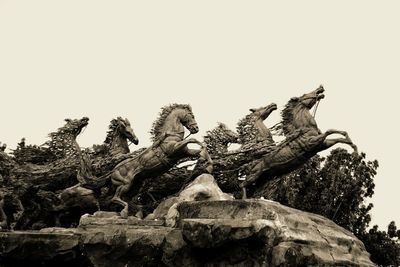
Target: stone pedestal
pixel 206 233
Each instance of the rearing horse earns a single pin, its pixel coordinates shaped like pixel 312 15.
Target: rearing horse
pixel 303 140
pixel 169 146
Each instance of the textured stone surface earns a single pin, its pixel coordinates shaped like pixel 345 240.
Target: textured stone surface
pixel 207 233
pixel 204 187
pixel 291 237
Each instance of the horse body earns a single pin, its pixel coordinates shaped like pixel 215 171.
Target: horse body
pixel 303 140
pixel 169 146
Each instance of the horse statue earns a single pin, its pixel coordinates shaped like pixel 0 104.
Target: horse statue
pixel 252 131
pixel 118 135
pixel 38 172
pixel 303 140
pixel 255 140
pixel 169 146
pixel 115 147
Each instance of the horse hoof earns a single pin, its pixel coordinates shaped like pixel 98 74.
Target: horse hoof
pixel 139 215
pixel 124 214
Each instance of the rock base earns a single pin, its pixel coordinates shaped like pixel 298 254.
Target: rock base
pixel 207 233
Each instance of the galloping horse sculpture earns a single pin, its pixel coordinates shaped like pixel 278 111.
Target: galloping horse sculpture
pixel 255 140
pixel 169 146
pixel 303 140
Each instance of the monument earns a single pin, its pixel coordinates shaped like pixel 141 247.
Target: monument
pixel 107 206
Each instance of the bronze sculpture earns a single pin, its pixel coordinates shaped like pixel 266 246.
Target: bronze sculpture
pixel 255 140
pixel 303 140
pixel 54 170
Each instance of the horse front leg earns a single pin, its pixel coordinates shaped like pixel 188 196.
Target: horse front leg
pixel 346 140
pixel 330 142
pixel 203 156
pixel 182 144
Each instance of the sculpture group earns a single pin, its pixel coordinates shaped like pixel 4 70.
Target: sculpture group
pixel 62 179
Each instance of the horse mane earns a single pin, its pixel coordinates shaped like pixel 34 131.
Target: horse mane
pixel 64 130
pixel 59 139
pixel 287 117
pixel 159 122
pixel 215 133
pixel 111 130
pixel 245 128
pixel 215 136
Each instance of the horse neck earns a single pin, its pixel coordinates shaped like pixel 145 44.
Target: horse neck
pixel 119 144
pixel 262 132
pixel 173 126
pixel 70 146
pixel 302 118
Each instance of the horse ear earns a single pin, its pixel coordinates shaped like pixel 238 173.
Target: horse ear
pixel 127 121
pixel 252 110
pixel 294 99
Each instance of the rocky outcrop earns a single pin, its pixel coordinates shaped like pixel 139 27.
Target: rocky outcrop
pixel 204 187
pixel 265 233
pixel 207 233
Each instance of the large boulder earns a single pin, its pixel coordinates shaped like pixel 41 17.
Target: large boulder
pixel 204 187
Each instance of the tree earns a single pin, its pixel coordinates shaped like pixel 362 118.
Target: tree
pixel 384 249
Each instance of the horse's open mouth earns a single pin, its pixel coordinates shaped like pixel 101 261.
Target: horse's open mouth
pixel 274 107
pixel 320 92
pixel 84 121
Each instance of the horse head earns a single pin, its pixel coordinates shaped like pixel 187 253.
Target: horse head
pixel 124 128
pixel 252 129
pixel 264 112
pixel 187 120
pixel 75 127
pixel 310 99
pixel 296 114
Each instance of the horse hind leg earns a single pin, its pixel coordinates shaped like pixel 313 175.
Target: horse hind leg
pixel 121 189
pixel 346 140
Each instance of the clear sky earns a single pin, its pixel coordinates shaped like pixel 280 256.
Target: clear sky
pixel 104 59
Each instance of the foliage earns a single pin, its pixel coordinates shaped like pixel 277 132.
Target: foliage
pixel 383 246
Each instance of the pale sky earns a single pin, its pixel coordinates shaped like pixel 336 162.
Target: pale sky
pixel 104 59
